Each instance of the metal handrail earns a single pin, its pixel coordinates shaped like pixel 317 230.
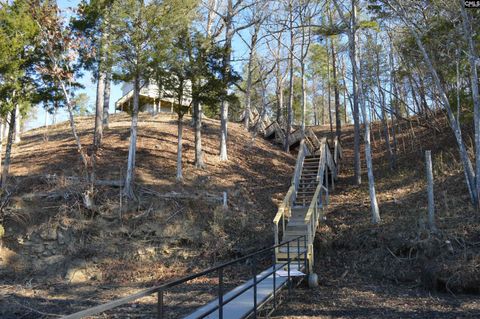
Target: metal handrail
pixel 160 289
pixel 257 281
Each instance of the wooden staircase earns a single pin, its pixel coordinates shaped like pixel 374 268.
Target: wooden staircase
pixel 308 181
pixel 272 130
pixel 302 208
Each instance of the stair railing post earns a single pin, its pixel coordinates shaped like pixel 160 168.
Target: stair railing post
pixel 220 293
pixel 305 252
pixel 326 188
pixel 298 252
pixel 160 304
pixel 274 281
pixel 275 230
pixel 254 273
pixel 288 269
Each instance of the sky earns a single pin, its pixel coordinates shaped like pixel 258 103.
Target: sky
pixel 90 85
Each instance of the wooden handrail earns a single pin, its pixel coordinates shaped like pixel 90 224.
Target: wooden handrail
pixel 328 162
pixel 302 150
pixel 285 203
pixel 290 196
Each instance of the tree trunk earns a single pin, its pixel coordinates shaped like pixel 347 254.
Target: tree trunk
pixel 393 106
pixel 467 29
pixel 8 150
pixel 5 126
pixel 356 113
pixel 346 95
pixel 106 100
pixel 290 84
pixel 179 149
pixel 251 55
pixel 279 85
pixel 248 97
pixel 226 73
pixel 280 103
pixel 224 128
pixel 128 189
pixel 17 125
pixel 99 105
pixel 368 155
pixel 386 129
pixel 54 116
pixel 304 47
pixel 431 201
pixel 304 97
pixel 338 120
pixel 329 94
pixel 80 149
pixel 263 114
pixel 197 116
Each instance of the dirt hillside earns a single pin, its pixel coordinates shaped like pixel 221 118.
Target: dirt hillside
pixel 58 257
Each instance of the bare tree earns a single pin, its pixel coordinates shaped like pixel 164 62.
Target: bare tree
pixel 368 155
pixel 399 9
pixel 473 58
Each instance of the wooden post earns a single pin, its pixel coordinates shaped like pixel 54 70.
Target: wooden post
pixel 431 201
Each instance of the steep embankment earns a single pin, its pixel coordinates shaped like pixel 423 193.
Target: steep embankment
pixel 398 269
pixel 58 257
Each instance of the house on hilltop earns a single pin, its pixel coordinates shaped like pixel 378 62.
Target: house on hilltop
pixel 153 98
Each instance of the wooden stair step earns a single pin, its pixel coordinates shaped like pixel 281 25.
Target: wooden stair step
pixel 293 247
pixel 299 210
pixel 309 185
pixel 291 235
pixel 306 204
pixel 288 238
pixel 295 228
pixel 283 258
pixel 297 220
pixel 306 191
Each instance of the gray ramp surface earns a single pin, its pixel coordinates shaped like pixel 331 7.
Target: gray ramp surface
pixel 242 305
